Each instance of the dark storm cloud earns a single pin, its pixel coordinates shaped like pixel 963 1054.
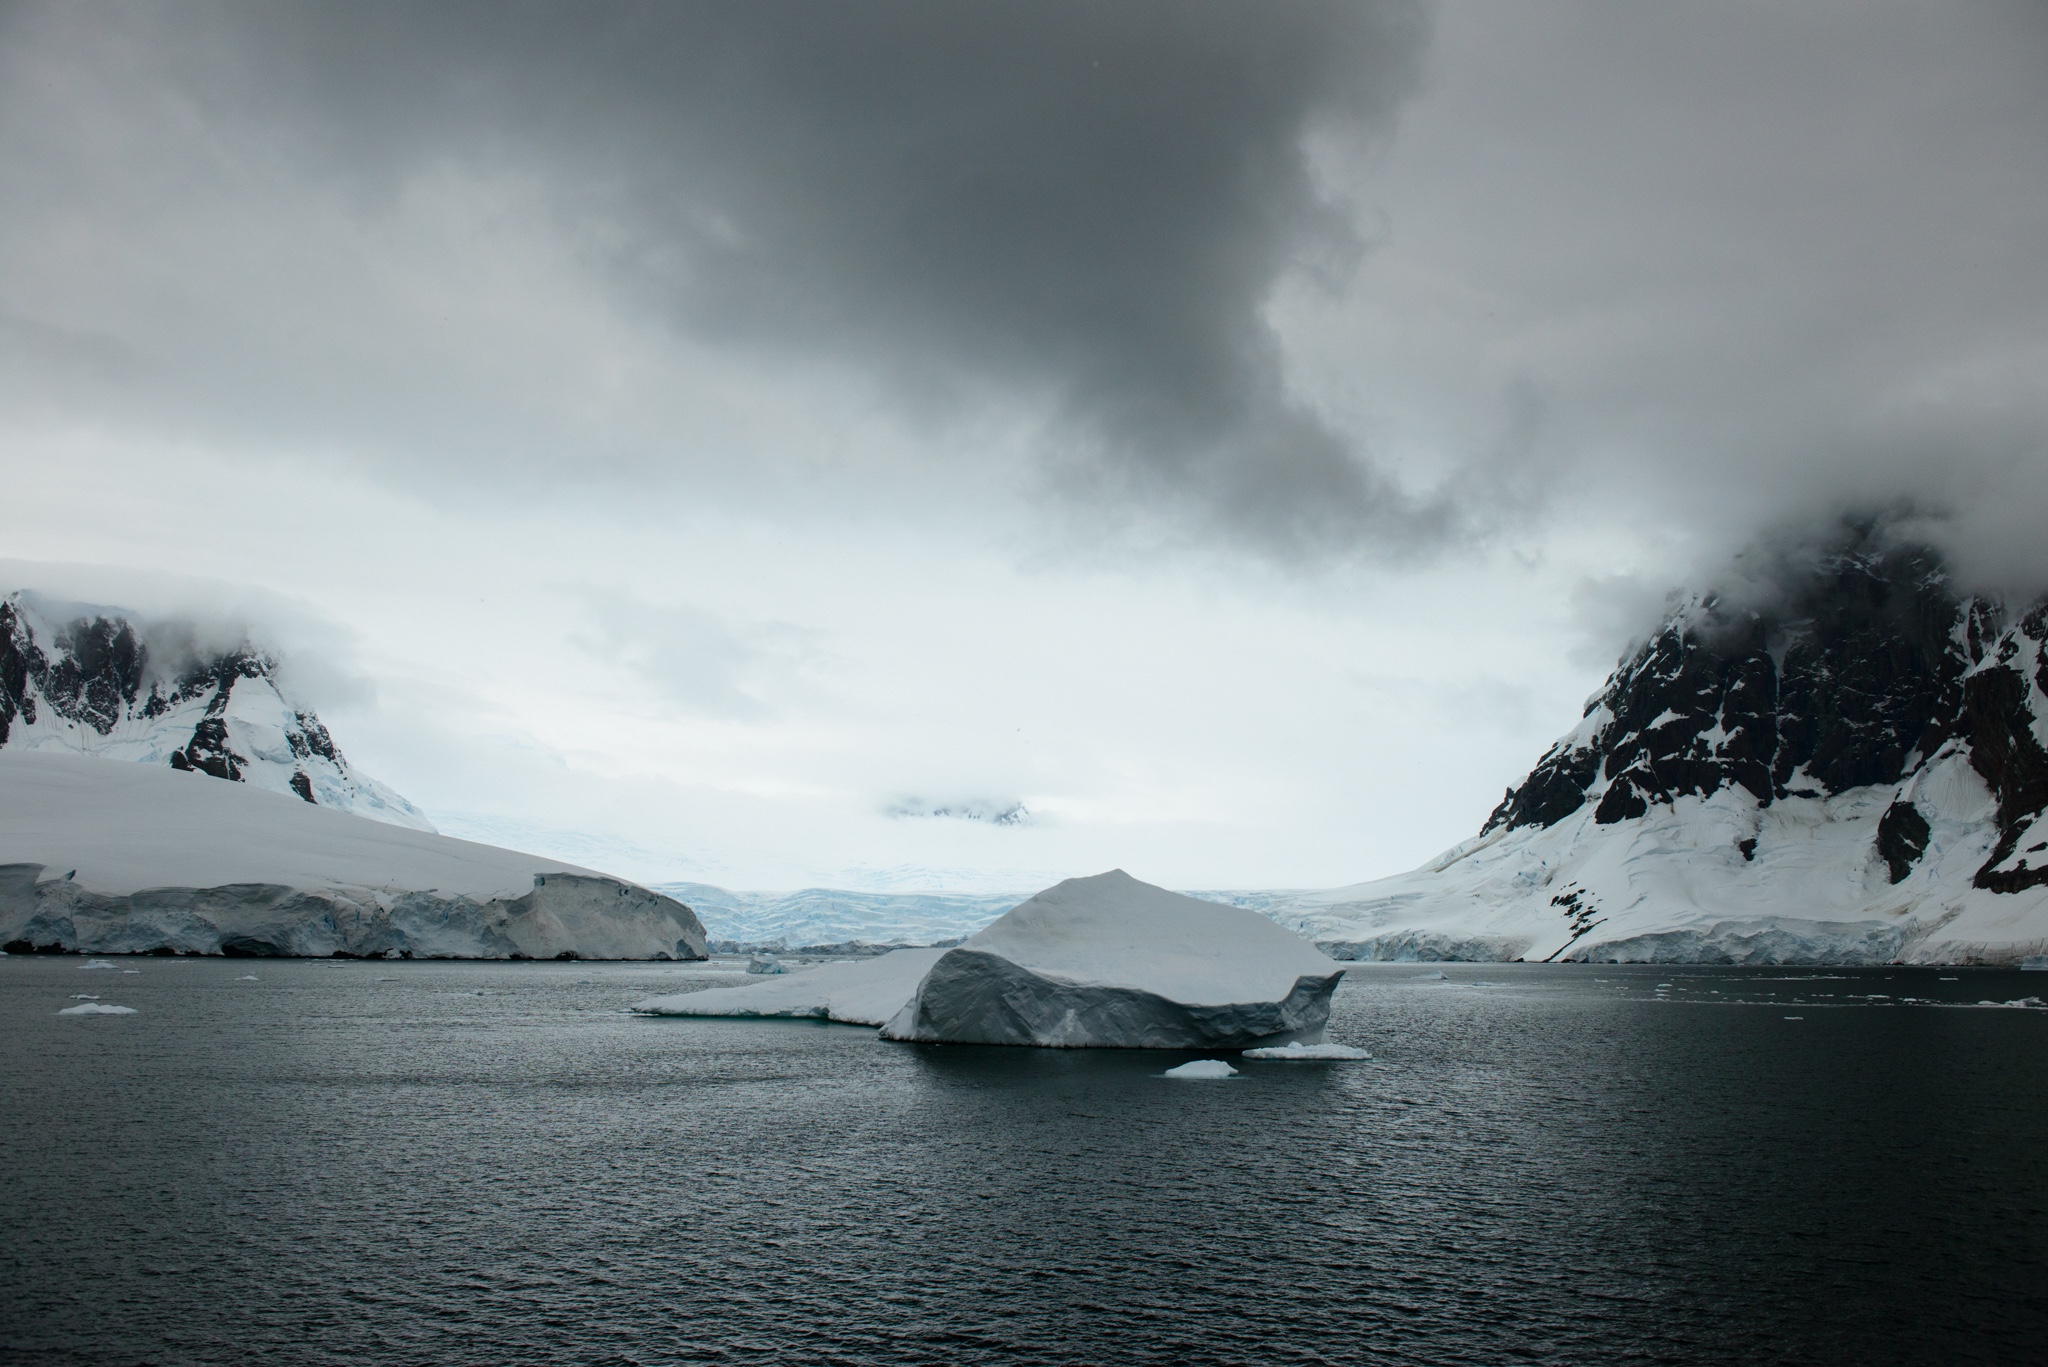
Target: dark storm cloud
pixel 1689 269
pixel 1073 205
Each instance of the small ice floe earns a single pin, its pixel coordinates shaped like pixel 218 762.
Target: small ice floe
pixel 765 963
pixel 1663 985
pixel 97 963
pixel 2034 963
pixel 1298 1050
pixel 1430 978
pixel 2022 1004
pixel 1203 1068
pixel 85 996
pixel 1795 1018
pixel 131 970
pixel 248 978
pixel 97 1009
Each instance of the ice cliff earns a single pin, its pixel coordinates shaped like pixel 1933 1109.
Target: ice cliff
pixel 94 681
pixel 111 858
pixel 1849 765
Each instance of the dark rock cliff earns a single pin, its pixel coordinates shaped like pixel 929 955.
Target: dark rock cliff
pixel 1855 669
pixel 96 672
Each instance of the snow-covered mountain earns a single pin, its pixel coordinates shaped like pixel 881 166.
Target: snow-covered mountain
pixel 92 680
pixel 107 858
pixel 1849 766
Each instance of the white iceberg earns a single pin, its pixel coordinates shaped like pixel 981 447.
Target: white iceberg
pixel 1202 1068
pixel 97 1009
pixel 1110 962
pixel 1298 1050
pixel 860 992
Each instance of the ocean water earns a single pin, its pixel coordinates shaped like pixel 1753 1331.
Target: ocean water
pixel 369 1163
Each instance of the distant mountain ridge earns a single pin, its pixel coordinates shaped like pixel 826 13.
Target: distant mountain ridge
pixel 87 679
pixel 1848 764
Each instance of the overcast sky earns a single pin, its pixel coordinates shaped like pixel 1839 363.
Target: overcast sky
pixel 766 442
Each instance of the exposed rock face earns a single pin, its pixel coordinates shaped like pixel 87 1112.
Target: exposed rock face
pixel 1859 676
pixel 1848 767
pixel 1110 962
pixel 86 679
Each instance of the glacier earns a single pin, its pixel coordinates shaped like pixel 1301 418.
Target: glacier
pixel 104 857
pixel 1112 962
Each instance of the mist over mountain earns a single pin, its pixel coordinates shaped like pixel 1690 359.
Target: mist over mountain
pixel 94 681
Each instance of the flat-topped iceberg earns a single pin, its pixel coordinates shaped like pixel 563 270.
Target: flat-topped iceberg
pixel 1110 962
pixel 863 992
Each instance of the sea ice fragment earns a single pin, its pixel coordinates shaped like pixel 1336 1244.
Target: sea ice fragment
pixel 1202 1068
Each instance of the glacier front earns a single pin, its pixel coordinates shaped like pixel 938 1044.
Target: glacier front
pixel 1112 962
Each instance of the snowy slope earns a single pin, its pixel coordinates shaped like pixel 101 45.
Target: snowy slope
pixel 1856 771
pixel 87 679
pixel 110 857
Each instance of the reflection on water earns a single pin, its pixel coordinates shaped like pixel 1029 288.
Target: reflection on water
pixel 482 1163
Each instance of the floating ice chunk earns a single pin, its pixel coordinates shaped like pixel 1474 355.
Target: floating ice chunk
pixel 2034 963
pixel 2023 1004
pixel 97 1009
pixel 1298 1050
pixel 765 964
pixel 1203 1068
pixel 863 992
pixel 85 996
pixel 131 970
pixel 1430 978
pixel 1110 962
pixel 1795 1018
pixel 97 963
pixel 248 978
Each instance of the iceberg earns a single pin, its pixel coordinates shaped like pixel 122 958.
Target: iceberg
pixel 97 1009
pixel 862 992
pixel 1111 962
pixel 1202 1068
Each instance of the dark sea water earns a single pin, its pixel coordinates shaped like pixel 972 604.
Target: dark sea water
pixel 369 1163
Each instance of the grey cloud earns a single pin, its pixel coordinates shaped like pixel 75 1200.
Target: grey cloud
pixel 1075 207
pixel 989 811
pixel 1711 267
pixel 694 658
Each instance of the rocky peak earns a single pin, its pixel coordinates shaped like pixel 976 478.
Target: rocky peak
pixel 87 679
pixel 1854 669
